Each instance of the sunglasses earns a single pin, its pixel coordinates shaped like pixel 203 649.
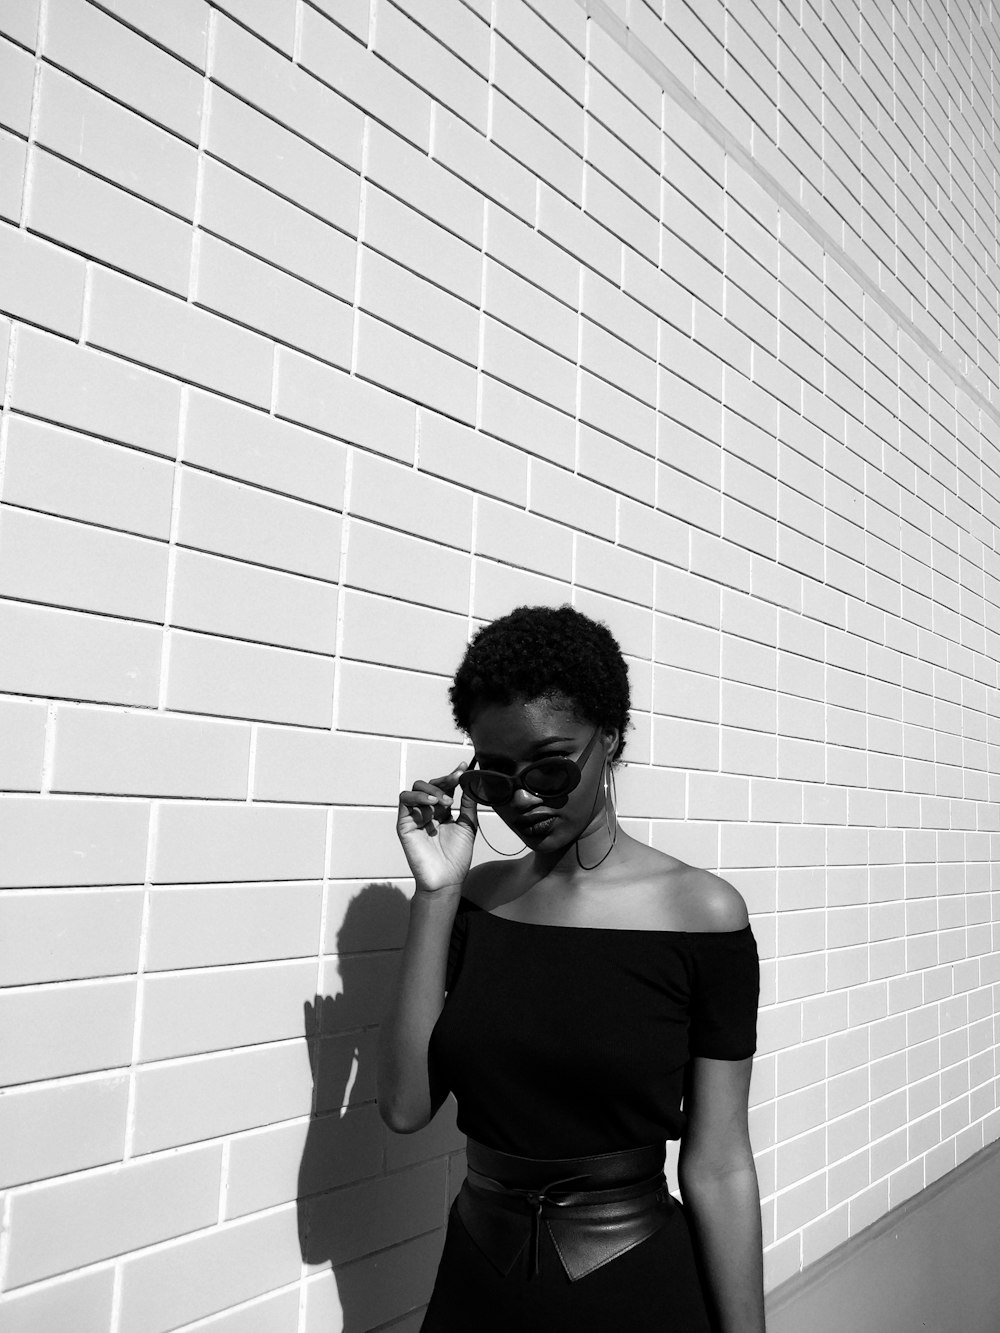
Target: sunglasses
pixel 557 776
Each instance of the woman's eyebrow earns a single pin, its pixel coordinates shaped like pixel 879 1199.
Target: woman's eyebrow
pixel 483 755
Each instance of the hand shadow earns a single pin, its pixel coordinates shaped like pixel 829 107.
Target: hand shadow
pixel 345 1212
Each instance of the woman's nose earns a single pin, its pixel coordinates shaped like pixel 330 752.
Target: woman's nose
pixel 523 800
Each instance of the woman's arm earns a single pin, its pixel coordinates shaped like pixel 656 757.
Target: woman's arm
pixel 719 1186
pixel 439 851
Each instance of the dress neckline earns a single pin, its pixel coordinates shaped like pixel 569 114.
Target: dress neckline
pixel 470 906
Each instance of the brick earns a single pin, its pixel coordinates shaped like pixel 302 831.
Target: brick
pixel 540 544
pixel 185 1101
pixel 518 361
pixel 39 283
pixel 170 335
pixel 114 144
pixel 421 245
pixel 22 745
pixel 268 1167
pixel 617 342
pixel 482 165
pixel 66 654
pixel 572 499
pixel 615 413
pixel 246 602
pixel 72 1223
pixel 533 256
pixel 527 84
pixel 82 1303
pixel 536 148
pixel 242 842
pixel 230 679
pixel 269 301
pixel 110 56
pixel 59 472
pixel 498 587
pixel 412 49
pixel 405 499
pixel 56 841
pixel 65 563
pixel 617 465
pixel 18 85
pixel 68 936
pixel 283 161
pixel 415 370
pixel 527 309
pixel 137 754
pixel 379 1285
pixel 621 215
pixel 363 78
pixel 387 701
pixel 275 230
pixel 250 446
pixel 250 524
pixel 362 918
pixel 207 1010
pixel 393 633
pixel 13 170
pixel 613 570
pixel 556 46
pixel 532 425
pixel 685 694
pixel 95 393
pixel 632 110
pixel 66 1029
pixel 685 744
pixel 235 924
pixel 399 297
pixel 348 408
pixel 208 1273
pixel 20 21
pixel 275 23
pixel 464 32
pixel 454 452
pixel 276 1313
pixel 53 1130
pixel 325 769
pixel 351 15
pixel 376 1214
pixel 569 227
pixel 424 185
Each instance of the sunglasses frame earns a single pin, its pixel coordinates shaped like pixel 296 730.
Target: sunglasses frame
pixel 572 767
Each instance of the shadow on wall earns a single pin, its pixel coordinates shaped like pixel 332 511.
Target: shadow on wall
pixel 369 1204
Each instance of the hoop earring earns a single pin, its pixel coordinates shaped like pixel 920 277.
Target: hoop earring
pixel 480 829
pixel 610 795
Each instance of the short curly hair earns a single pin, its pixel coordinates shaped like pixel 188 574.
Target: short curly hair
pixel 537 652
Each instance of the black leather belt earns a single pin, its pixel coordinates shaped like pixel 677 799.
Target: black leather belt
pixel 594 1208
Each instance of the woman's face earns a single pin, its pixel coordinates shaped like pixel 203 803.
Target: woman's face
pixel 509 737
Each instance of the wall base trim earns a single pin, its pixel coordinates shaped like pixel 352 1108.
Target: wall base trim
pixel 931 1264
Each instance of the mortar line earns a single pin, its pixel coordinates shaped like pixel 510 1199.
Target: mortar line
pixel 672 86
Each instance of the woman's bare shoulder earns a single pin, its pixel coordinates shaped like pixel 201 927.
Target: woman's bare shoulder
pixel 709 902
pixel 490 883
pixel 669 894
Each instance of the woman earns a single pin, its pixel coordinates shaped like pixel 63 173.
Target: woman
pixel 570 999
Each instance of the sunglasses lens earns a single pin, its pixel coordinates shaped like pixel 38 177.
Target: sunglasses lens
pixel 485 787
pixel 552 777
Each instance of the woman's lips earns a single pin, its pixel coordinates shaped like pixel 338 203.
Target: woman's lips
pixel 535 828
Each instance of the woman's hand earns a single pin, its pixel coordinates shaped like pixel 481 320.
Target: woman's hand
pixel 437 845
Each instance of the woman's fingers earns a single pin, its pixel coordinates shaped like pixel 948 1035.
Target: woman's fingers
pixel 430 801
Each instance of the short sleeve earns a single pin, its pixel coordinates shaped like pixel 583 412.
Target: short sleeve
pixel 725 987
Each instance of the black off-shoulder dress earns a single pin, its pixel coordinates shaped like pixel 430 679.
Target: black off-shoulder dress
pixel 561 1041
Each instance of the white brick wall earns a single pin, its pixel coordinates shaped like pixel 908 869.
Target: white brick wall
pixel 332 328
